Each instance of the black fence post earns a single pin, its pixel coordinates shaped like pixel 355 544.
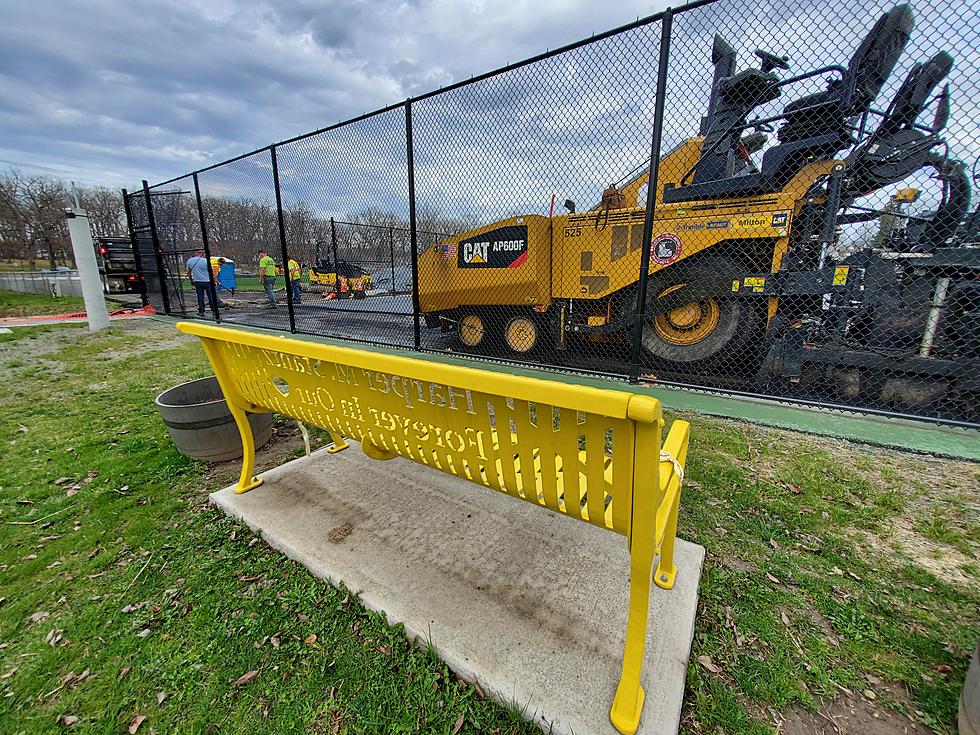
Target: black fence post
pixel 157 250
pixel 333 250
pixel 391 253
pixel 282 241
pixel 639 318
pixel 212 285
pixel 413 232
pixel 134 243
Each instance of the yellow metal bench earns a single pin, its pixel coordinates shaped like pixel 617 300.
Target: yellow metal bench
pixel 588 453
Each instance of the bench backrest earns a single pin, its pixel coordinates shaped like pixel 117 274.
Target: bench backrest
pixel 567 447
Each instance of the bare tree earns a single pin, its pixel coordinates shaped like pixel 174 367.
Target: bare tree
pixel 106 213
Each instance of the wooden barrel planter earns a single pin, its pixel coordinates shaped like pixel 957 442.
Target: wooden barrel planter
pixel 201 425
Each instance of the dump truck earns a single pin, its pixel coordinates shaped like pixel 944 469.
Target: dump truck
pixel 117 265
pixel 747 277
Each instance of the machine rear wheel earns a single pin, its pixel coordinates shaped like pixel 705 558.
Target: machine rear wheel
pixel 521 335
pixel 711 331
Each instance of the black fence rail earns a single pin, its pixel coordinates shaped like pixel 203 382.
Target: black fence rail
pixel 810 235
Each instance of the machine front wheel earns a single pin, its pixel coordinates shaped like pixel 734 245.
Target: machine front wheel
pixel 521 335
pixel 714 330
pixel 471 331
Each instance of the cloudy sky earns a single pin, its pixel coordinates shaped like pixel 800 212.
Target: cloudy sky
pixel 110 92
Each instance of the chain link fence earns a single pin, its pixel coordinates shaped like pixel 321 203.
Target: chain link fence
pixel 47 283
pixel 810 236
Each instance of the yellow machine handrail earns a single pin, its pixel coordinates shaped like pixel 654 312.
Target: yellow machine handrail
pixel 589 453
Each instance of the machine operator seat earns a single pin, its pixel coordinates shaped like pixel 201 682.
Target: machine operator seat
pixel 815 126
pixel 897 148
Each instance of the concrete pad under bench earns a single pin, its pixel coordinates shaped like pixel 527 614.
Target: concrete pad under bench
pixel 527 602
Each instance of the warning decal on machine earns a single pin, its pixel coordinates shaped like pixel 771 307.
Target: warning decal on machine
pixel 505 247
pixel 840 275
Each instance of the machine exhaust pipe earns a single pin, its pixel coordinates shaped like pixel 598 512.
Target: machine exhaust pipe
pixel 723 58
pixel 956 201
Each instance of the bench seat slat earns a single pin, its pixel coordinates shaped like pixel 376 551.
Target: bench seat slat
pixel 547 455
pixel 594 458
pixel 569 454
pixel 526 442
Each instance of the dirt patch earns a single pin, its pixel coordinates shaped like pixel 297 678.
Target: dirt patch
pixel 883 467
pixel 821 622
pixel 733 562
pixel 286 441
pixel 850 713
pixel 159 336
pixel 920 486
pixel 943 560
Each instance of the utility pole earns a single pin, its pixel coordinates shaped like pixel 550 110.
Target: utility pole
pixel 88 268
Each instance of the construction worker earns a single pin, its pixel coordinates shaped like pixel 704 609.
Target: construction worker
pixel 197 272
pixel 295 276
pixel 267 276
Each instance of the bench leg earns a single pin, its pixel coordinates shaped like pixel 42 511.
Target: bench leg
pixel 338 442
pixel 247 480
pixel 628 703
pixel 666 570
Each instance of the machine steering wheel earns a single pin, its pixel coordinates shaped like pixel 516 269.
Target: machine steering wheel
pixel 770 61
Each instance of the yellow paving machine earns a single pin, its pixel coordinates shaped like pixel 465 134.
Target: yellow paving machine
pixel 748 276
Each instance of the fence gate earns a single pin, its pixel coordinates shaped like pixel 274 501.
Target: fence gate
pixel 160 268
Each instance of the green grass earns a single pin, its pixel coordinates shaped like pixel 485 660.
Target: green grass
pixel 787 526
pixel 243 283
pixel 137 574
pixel 151 591
pixel 24 304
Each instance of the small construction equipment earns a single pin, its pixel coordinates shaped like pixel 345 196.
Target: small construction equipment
pixel 343 279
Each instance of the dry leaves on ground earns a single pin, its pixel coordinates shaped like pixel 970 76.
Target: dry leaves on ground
pixel 246 678
pixel 339 533
pixel 710 665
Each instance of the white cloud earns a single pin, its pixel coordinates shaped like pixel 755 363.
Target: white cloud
pixel 117 91
pixel 112 92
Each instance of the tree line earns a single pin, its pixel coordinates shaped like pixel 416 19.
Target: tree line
pixel 238 227
pixel 33 228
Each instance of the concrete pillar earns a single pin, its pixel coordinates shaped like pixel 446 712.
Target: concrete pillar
pixel 88 268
